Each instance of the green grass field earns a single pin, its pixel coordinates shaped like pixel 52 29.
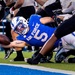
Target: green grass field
pixel 62 66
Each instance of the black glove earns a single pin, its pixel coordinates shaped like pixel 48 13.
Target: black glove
pixel 35 60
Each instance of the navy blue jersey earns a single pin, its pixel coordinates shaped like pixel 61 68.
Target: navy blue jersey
pixel 38 33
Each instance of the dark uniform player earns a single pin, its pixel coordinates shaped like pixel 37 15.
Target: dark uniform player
pixel 65 28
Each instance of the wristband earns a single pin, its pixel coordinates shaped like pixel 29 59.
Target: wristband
pixel 13 8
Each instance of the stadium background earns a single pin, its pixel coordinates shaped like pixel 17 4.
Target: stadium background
pixel 64 66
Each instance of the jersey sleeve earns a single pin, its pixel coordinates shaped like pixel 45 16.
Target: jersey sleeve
pixel 20 38
pixel 34 18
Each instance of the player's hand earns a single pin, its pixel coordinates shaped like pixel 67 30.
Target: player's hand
pixel 12 10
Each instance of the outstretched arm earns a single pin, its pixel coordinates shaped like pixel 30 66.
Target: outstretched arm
pixel 16 43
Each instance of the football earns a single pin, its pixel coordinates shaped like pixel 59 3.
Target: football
pixel 4 40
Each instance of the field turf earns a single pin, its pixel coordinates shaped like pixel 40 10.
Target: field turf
pixel 62 66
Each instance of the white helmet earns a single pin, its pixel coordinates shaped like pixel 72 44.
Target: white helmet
pixel 19 25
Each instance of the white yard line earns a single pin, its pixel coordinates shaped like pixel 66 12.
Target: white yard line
pixel 41 68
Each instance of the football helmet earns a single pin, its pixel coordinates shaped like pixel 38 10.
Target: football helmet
pixel 19 25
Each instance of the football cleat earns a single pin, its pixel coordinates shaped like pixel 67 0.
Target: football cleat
pixel 17 59
pixel 8 53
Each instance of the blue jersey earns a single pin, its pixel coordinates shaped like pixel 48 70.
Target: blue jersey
pixel 38 33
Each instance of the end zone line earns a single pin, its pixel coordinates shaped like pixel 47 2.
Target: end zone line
pixel 41 68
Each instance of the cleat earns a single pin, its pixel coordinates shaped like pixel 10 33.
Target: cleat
pixel 17 59
pixel 8 53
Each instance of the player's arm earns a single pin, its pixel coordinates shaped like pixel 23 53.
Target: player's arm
pixel 41 2
pixel 16 43
pixel 18 4
pixel 8 2
pixel 46 20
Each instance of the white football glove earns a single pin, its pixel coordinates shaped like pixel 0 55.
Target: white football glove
pixel 12 10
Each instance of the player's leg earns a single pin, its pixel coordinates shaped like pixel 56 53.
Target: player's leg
pixel 65 28
pixel 19 56
pixel 68 28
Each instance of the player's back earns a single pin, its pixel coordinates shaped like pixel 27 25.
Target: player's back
pixel 38 33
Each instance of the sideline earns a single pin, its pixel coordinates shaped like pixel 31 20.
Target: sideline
pixel 41 68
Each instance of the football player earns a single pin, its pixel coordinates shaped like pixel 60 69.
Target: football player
pixel 32 32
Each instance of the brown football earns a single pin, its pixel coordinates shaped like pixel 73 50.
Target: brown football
pixel 4 40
